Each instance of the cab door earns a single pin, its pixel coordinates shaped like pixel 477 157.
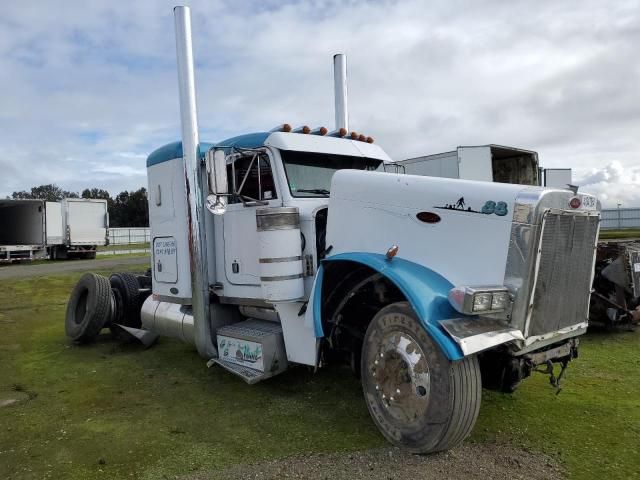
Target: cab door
pixel 252 181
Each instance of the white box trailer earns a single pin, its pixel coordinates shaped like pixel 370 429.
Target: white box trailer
pixel 28 227
pixel 34 229
pixel 486 163
pixel 86 226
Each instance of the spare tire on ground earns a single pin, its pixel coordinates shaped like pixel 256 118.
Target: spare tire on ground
pixel 89 308
pixel 129 299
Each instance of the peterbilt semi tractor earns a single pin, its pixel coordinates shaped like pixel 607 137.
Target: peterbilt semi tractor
pixel 37 229
pixel 293 247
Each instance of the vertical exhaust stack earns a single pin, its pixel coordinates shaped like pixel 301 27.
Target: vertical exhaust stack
pixel 340 90
pixel 193 185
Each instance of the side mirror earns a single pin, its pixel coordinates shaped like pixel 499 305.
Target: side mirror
pixel 216 162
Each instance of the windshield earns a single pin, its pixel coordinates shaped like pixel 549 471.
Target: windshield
pixel 309 174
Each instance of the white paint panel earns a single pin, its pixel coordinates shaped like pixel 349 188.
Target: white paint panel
pixel 86 221
pixel 371 211
pixel 475 163
pixel 54 223
pixel 444 166
pixel 332 145
pixel 168 218
pixel 557 177
pixel 299 337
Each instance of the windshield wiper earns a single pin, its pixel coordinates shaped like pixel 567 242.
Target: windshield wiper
pixel 319 191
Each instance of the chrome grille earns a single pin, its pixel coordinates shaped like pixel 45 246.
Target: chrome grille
pixel 563 283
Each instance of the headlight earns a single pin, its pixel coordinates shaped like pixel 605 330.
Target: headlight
pixel 500 300
pixel 480 300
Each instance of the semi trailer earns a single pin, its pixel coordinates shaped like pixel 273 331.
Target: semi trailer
pixel 489 163
pixel 37 229
pixel 290 247
pixel 85 224
pixel 28 227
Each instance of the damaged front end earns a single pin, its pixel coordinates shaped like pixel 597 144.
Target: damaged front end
pixel 549 274
pixel 615 299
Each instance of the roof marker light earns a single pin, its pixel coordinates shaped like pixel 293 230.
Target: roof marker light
pixel 320 131
pixel 284 127
pixel 369 139
pixel 341 132
pixel 354 135
pixel 362 138
pixel 304 129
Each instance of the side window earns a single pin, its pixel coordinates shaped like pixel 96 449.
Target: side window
pixel 253 179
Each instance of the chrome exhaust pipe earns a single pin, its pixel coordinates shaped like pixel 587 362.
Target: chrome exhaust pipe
pixel 193 177
pixel 340 91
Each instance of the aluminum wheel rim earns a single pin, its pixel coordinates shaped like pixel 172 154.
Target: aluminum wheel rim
pixel 400 377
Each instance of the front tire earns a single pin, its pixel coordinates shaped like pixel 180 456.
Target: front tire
pixel 420 400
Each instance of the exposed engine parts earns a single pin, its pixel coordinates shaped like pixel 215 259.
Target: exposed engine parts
pixel 615 300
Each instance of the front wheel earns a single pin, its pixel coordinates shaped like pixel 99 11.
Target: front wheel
pixel 420 400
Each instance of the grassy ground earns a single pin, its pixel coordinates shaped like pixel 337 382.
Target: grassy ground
pixel 132 246
pixel 113 411
pixel 624 233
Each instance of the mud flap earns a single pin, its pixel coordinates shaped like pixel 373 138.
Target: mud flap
pixel 145 337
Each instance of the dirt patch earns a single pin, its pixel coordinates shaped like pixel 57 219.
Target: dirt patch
pixel 469 461
pixel 8 399
pixel 57 267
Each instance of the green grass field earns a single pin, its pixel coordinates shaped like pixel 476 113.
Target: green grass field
pixel 118 411
pixel 131 246
pixel 620 234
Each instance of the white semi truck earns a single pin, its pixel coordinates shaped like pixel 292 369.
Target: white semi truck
pixel 289 247
pixel 36 229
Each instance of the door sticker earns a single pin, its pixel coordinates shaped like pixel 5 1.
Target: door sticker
pixel 165 260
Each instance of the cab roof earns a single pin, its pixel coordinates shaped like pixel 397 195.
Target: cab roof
pixel 280 140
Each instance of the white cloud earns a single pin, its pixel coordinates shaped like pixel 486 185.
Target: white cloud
pixel 92 85
pixel 613 184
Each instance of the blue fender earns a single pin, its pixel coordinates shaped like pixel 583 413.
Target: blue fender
pixel 425 290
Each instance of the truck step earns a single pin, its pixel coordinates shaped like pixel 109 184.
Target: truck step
pixel 252 349
pixel 249 375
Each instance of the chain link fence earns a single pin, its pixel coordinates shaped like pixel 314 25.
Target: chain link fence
pixel 617 218
pixel 129 236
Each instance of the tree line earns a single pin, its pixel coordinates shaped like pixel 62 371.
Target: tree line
pixel 127 209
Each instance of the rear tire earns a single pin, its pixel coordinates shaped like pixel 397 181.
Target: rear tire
pixel 89 308
pixel 420 400
pixel 129 289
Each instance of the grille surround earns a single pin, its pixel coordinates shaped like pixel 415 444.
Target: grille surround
pixel 563 271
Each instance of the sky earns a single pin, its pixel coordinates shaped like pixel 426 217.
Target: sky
pixel 89 89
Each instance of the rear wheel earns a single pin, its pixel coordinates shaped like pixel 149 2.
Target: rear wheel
pixel 420 400
pixel 89 308
pixel 130 299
